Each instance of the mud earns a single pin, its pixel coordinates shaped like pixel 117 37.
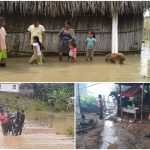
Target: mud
pixel 124 135
pixel 110 134
pixel 90 139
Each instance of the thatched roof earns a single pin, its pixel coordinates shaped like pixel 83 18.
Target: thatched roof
pixel 73 8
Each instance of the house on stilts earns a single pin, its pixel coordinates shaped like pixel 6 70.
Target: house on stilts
pixel 118 25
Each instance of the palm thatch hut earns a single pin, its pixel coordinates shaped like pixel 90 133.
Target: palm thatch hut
pixel 118 24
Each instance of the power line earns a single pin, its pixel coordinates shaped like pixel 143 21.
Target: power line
pixel 89 85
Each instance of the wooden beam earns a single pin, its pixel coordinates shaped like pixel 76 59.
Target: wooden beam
pixel 78 103
pixel 114 48
pixel 142 100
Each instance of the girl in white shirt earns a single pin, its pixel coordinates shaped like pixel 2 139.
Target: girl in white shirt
pixel 37 55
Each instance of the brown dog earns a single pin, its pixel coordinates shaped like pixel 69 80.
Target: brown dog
pixel 115 57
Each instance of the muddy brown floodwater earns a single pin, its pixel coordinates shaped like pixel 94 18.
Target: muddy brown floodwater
pixel 36 137
pixel 19 70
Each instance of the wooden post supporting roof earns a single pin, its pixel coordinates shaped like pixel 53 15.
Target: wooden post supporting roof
pixel 120 102
pixel 142 100
pixel 114 48
pixel 78 103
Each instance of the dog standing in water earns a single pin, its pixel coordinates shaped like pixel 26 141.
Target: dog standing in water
pixel 115 57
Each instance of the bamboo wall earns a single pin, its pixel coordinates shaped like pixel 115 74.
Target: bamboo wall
pixel 130 32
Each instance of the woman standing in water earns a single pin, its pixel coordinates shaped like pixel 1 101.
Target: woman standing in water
pixel 66 34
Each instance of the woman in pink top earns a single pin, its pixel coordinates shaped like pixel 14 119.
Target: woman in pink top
pixel 4 122
pixel 73 51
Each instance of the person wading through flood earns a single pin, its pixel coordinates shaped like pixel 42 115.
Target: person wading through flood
pixel 18 118
pixel 37 54
pixel 36 29
pixel 3 45
pixel 4 122
pixel 66 34
pixel 21 122
pixel 100 106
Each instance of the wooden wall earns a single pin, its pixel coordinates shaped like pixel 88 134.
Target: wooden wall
pixel 130 31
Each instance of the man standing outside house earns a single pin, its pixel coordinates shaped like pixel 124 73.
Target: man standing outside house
pixel 100 106
pixel 36 29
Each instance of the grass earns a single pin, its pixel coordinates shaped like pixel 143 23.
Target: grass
pixel 14 101
pixel 69 131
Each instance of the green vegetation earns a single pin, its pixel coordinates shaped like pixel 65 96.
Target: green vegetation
pixel 146 29
pixel 14 101
pixel 88 100
pixel 42 112
pixel 60 100
pixel 70 131
pixel 45 97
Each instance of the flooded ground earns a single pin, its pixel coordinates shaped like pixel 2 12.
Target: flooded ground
pixel 124 135
pixel 19 70
pixel 61 122
pixel 109 134
pixel 36 137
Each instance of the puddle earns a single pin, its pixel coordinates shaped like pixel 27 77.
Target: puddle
pixel 109 134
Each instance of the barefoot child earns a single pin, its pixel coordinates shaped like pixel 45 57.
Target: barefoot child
pixel 37 55
pixel 73 50
pixel 3 46
pixel 90 45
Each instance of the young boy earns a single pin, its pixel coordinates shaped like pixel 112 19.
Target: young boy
pixel 3 46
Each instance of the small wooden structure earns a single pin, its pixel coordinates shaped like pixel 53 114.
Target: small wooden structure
pixel 130 111
pixel 141 108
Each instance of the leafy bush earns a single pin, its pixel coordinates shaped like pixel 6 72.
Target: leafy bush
pixel 60 100
pixel 88 99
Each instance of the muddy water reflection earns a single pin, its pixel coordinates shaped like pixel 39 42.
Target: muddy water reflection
pixel 42 130
pixel 36 137
pixel 59 122
pixel 19 70
pixel 122 135
pixel 109 135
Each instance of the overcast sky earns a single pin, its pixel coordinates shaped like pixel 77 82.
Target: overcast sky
pixel 101 88
pixel 147 14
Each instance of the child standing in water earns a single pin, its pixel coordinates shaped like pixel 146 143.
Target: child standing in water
pixel 73 50
pixel 37 55
pixel 3 46
pixel 90 45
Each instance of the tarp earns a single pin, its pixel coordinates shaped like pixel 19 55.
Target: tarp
pixel 134 90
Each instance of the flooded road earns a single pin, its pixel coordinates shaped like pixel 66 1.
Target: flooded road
pixel 61 122
pixel 19 70
pixel 124 135
pixel 37 137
